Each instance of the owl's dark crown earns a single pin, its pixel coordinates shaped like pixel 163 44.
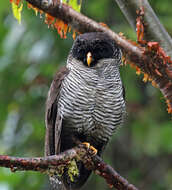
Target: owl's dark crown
pixel 99 44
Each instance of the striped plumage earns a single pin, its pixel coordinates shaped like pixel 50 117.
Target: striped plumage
pixel 88 103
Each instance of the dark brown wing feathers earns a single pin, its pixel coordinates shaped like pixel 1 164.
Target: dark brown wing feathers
pixel 123 91
pixel 52 119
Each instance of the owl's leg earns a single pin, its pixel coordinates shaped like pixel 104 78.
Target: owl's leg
pixel 88 146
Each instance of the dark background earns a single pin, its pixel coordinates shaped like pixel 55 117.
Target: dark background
pixel 30 54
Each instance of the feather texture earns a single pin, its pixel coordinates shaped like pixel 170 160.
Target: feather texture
pixel 84 104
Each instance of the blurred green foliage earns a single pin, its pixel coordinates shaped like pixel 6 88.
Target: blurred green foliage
pixel 30 54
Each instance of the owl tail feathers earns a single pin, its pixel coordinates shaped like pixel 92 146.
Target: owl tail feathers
pixel 65 182
pixel 56 184
pixel 79 180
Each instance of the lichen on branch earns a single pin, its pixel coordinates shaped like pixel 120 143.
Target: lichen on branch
pixel 53 165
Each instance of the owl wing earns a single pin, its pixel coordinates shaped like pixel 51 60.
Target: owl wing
pixel 53 120
pixel 123 92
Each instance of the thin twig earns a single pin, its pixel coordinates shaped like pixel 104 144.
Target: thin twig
pixel 154 29
pixel 111 176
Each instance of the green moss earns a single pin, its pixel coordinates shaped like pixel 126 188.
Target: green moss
pixel 72 170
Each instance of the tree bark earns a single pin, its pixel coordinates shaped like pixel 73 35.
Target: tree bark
pixel 52 165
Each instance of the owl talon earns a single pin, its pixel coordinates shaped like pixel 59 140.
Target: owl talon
pixel 90 148
pixel 86 144
pixel 94 150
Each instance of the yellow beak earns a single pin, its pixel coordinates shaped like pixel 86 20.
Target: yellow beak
pixel 89 58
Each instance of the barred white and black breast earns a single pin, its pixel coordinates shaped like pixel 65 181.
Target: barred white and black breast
pixel 91 101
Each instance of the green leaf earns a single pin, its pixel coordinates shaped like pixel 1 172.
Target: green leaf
pixel 75 4
pixel 17 11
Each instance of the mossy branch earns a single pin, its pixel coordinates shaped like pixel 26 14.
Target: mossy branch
pixel 53 165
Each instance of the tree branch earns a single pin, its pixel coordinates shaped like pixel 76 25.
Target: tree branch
pixel 42 164
pixel 154 29
pixel 149 62
pixel 111 176
pixel 52 165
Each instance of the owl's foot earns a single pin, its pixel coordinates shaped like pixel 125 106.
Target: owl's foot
pixel 87 144
pixel 91 148
pixel 94 150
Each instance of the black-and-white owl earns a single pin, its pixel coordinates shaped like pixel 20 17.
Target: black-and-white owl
pixel 85 101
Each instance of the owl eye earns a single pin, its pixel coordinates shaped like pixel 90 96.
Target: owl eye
pixel 104 49
pixel 81 51
pixel 102 52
